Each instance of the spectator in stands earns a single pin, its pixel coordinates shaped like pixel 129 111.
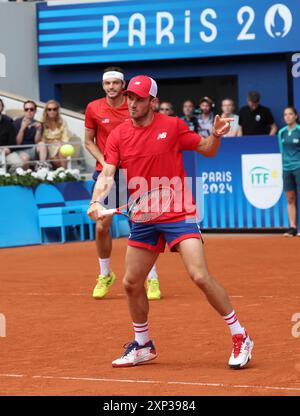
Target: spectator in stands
pixel 8 138
pixel 157 106
pixel 29 135
pixel 228 107
pixel 188 117
pixel 166 108
pixel 55 133
pixel 256 119
pixel 206 116
pixel 289 144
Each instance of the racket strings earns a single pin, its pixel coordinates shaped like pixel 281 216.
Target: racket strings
pixel 151 205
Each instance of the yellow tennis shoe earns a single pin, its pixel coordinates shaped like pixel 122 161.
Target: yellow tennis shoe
pixel 153 290
pixel 103 284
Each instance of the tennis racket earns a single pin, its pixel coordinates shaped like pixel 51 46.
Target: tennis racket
pixel 147 207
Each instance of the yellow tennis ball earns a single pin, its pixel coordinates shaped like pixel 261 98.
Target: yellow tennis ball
pixel 67 150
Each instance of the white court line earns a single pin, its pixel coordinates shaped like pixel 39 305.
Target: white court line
pixel 117 294
pixel 182 383
pixel 79 294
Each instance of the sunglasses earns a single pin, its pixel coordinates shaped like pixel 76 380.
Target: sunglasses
pixel 29 109
pixel 52 109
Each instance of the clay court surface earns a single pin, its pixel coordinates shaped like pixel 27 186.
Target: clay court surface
pixel 59 341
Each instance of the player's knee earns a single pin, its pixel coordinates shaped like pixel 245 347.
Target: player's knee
pixel 128 286
pixel 201 278
pixel 131 285
pixel 102 228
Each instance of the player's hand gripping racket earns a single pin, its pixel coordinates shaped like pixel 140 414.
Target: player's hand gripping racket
pixel 147 207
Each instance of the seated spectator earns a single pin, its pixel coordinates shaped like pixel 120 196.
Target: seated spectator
pixel 55 133
pixel 256 119
pixel 188 117
pixel 29 135
pixel 206 116
pixel 8 138
pixel 166 108
pixel 228 107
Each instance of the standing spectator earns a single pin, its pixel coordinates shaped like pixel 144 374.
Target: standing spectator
pixel 289 144
pixel 55 133
pixel 256 119
pixel 228 108
pixel 206 117
pixel 8 138
pixel 166 108
pixel 29 132
pixel 188 117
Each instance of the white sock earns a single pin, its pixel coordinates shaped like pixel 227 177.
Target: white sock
pixel 233 324
pixel 104 266
pixel 153 273
pixel 141 333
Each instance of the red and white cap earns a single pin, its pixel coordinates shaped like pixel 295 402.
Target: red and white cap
pixel 142 86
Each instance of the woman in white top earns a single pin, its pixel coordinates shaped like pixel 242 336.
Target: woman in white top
pixel 55 133
pixel 227 107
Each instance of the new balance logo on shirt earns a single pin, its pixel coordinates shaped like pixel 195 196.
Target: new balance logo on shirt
pixel 162 136
pixel 105 120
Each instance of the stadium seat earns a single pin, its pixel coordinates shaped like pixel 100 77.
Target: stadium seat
pixel 89 186
pixel 120 226
pixel 53 212
pixel 77 196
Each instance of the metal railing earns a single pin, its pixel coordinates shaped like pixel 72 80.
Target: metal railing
pixel 4 164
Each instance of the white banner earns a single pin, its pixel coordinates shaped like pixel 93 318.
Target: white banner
pixel 262 179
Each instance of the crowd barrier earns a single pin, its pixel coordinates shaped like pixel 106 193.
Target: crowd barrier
pixel 76 160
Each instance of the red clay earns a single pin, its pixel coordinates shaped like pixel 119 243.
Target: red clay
pixel 60 341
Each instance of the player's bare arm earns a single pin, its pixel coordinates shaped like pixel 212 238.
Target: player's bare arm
pixel 102 188
pixel 209 147
pixel 91 146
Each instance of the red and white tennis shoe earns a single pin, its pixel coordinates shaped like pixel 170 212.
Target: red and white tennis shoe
pixel 242 349
pixel 135 354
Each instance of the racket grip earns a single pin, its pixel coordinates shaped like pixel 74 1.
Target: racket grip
pixel 108 212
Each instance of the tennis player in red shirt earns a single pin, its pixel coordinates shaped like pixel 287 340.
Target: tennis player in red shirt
pixel 101 117
pixel 150 145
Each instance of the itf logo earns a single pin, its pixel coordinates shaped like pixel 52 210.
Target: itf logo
pixel 261 176
pixel 278 21
pixel 262 179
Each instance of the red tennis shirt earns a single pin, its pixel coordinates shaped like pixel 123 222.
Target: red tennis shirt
pixel 103 118
pixel 152 156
